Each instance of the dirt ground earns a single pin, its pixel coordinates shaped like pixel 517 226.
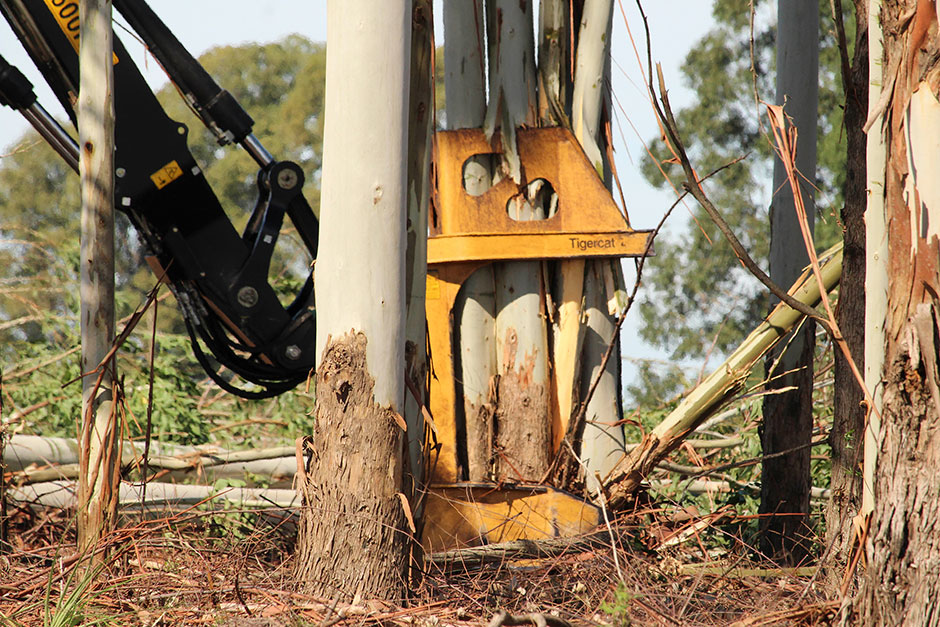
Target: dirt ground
pixel 653 566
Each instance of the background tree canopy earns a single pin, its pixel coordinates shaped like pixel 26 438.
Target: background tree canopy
pixel 696 295
pixel 281 85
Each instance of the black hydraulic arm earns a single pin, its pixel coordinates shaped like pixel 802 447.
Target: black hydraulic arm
pixel 220 278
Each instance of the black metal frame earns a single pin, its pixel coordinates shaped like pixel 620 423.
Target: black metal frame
pixel 220 278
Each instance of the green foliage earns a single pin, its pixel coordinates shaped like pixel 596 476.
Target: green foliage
pixel 656 383
pixel 281 85
pixel 618 608
pixel 70 603
pixel 697 294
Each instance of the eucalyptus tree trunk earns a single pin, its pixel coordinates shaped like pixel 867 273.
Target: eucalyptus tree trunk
pixel 901 584
pixel 475 308
pixel 420 128
pixel 788 415
pixel 876 254
pixel 848 424
pixel 100 456
pixel 522 420
pixel 353 538
pixel 601 437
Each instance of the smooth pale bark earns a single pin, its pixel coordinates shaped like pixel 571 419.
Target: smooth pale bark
pixel 901 583
pixel 720 386
pixel 353 539
pixel 100 432
pixel 364 186
pixel 590 82
pixel 848 424
pixel 475 315
pixel 475 308
pixel 512 80
pixel 788 416
pixel 602 438
pixel 464 62
pixel 420 128
pixel 876 257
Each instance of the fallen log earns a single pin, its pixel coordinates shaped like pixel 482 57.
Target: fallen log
pixel 720 386
pixel 161 497
pixel 36 459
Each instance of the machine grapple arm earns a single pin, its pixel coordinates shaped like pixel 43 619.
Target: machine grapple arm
pixel 220 277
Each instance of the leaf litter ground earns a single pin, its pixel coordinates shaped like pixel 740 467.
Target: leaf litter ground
pixel 233 568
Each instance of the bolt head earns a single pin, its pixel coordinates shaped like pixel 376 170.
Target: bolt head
pixel 293 352
pixel 287 179
pixel 247 296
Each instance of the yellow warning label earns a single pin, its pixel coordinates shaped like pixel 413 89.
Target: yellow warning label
pixel 167 174
pixel 433 290
pixel 65 13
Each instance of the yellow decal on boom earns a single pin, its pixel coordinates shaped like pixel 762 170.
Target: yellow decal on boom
pixel 65 13
pixel 167 174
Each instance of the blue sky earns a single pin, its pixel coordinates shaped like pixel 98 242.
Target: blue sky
pixel 675 25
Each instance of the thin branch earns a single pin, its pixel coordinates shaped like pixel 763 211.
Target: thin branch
pixel 694 187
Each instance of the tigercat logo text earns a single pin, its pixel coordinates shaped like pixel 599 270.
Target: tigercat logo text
pixel 588 244
pixel 65 13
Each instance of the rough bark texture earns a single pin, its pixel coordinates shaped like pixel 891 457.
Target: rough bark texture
pixel 478 428
pixel 523 431
pixel 903 577
pixel 848 423
pixel 902 582
pixel 788 416
pixel 352 516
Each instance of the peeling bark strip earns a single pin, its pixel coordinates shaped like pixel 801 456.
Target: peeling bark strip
pixel 352 517
pixel 902 582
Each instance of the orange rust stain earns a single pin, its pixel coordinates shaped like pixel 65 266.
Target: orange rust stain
pixel 510 347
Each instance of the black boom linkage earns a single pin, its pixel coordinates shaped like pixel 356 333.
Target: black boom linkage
pixel 220 279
